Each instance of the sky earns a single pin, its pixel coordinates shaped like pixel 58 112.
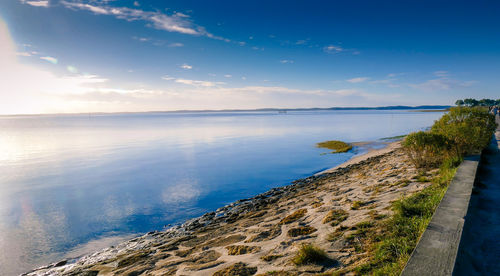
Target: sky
pixel 79 56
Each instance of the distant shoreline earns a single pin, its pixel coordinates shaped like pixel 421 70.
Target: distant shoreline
pixel 423 108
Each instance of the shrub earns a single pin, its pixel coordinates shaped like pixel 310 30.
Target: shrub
pixel 470 128
pixel 309 254
pixel 427 150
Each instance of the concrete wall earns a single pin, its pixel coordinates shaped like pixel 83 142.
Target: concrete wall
pixel 437 249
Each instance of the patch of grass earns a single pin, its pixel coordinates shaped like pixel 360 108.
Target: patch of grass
pixel 309 254
pixel 271 257
pixel 395 137
pixel 336 146
pixel 241 249
pixel 400 233
pixel 237 269
pixel 423 179
pixel 335 217
pixel 301 231
pixel 363 234
pixel 357 204
pixel 293 217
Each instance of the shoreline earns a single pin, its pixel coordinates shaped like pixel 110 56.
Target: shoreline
pixel 223 215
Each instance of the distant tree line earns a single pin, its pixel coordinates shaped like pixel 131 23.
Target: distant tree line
pixel 473 102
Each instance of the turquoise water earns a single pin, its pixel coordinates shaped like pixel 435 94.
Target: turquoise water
pixel 75 183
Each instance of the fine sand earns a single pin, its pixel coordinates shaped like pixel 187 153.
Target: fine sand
pixel 264 233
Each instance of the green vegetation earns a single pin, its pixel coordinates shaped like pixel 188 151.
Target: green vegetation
pixel 309 254
pixel 469 128
pixel 426 150
pixel 463 130
pixel 293 217
pixel 358 204
pixel 473 102
pixel 394 137
pixel 392 248
pixel 240 268
pixel 335 217
pixel 336 146
pixel 301 231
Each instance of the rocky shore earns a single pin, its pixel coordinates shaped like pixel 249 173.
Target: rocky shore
pixel 262 234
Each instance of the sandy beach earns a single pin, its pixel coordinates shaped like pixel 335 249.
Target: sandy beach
pixel 262 234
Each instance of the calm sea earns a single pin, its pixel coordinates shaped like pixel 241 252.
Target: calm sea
pixel 73 184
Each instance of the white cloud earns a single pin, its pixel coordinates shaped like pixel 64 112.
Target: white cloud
pixel 37 3
pixel 177 22
pixel 228 76
pixel 441 84
pixel 24 54
pixel 196 83
pixel 141 39
pixel 176 44
pixel 52 60
pixel 186 66
pixel 358 80
pixel 332 49
pixel 199 83
pixel 136 3
pixel 284 61
pixel 167 77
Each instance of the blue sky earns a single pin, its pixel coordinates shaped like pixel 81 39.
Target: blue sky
pixel 110 56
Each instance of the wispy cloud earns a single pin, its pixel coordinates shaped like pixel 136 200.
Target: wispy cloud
pixel 284 61
pixel 177 44
pixel 228 76
pixel 36 3
pixel 333 49
pixel 358 80
pixel 24 54
pixel 176 22
pixel 52 60
pixel 197 83
pixel 442 83
pixel 186 66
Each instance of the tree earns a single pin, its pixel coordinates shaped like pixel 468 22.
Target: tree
pixel 459 102
pixel 470 102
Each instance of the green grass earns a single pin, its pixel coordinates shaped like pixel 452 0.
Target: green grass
pixel 336 146
pixel 400 233
pixel 309 254
pixel 394 137
pixel 357 204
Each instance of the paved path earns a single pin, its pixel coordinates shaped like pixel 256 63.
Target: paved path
pixel 479 252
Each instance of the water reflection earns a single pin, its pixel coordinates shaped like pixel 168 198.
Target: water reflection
pixel 71 184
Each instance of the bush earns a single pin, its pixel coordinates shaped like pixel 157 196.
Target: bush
pixel 427 150
pixel 309 254
pixel 470 128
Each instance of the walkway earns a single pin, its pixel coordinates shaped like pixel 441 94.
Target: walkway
pixel 479 251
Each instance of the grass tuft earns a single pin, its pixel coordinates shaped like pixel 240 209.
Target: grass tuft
pixel 335 217
pixel 309 254
pixel 293 217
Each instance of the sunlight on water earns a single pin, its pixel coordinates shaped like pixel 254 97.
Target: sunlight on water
pixel 72 184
